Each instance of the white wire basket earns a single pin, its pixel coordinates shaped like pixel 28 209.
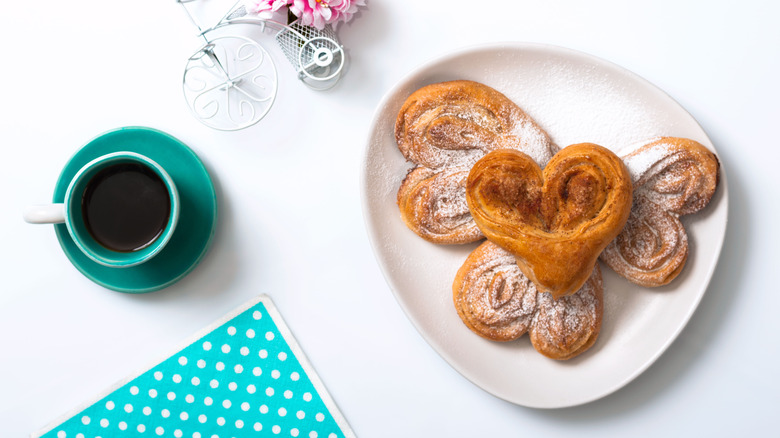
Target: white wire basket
pixel 230 83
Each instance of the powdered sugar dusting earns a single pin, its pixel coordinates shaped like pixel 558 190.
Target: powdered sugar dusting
pixel 433 204
pixel 450 207
pixel 652 246
pixel 639 159
pixel 447 211
pixel 495 298
pixel 459 135
pixel 670 178
pixel 569 325
pixel 446 139
pixel 534 142
pixel 497 301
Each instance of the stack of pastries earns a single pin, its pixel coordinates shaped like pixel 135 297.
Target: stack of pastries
pixel 482 168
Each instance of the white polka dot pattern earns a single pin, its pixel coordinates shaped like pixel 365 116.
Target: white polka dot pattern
pixel 246 377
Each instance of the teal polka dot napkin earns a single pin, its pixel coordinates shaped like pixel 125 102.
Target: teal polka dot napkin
pixel 245 377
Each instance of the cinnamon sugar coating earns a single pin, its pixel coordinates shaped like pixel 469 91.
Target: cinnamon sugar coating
pixel 433 205
pixel 554 221
pixel 672 177
pixel 496 301
pixel 444 128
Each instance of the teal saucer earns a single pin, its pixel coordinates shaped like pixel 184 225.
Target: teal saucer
pixel 197 220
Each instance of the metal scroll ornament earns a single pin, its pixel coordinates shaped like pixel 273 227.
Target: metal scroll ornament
pixel 230 83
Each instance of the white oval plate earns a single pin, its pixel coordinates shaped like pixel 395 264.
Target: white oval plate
pixel 576 98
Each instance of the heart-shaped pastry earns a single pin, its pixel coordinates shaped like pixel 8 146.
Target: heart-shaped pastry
pixel 496 301
pixel 444 128
pixel 556 222
pixel 672 177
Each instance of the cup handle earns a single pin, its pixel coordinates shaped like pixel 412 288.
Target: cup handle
pixel 45 214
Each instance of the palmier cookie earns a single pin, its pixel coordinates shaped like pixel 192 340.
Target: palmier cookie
pixel 557 221
pixel 496 301
pixel 433 205
pixel 454 123
pixel 443 129
pixel 672 177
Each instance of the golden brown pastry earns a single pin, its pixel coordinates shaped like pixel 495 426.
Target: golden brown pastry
pixel 568 326
pixel 492 296
pixel 555 222
pixel 455 123
pixel 672 177
pixel 444 129
pixel 433 205
pixel 496 301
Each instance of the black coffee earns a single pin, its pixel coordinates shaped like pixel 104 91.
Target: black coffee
pixel 126 207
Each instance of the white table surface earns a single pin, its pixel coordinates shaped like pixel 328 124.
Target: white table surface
pixel 72 70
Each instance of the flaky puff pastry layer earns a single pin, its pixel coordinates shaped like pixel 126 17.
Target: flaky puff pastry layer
pixel 433 205
pixel 455 123
pixel 556 221
pixel 496 301
pixel 672 177
pixel 444 128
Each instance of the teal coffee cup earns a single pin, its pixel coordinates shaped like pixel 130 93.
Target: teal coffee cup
pixel 120 209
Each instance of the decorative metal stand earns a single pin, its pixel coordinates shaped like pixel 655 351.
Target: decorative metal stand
pixel 230 83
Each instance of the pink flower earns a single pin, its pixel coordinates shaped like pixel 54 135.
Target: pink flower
pixel 312 12
pixel 265 8
pixel 346 9
pixel 318 13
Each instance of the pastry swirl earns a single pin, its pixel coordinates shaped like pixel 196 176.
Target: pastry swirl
pixel 455 123
pixel 434 205
pixel 444 129
pixel 673 177
pixel 496 301
pixel 492 297
pixel 555 222
pixel 568 326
